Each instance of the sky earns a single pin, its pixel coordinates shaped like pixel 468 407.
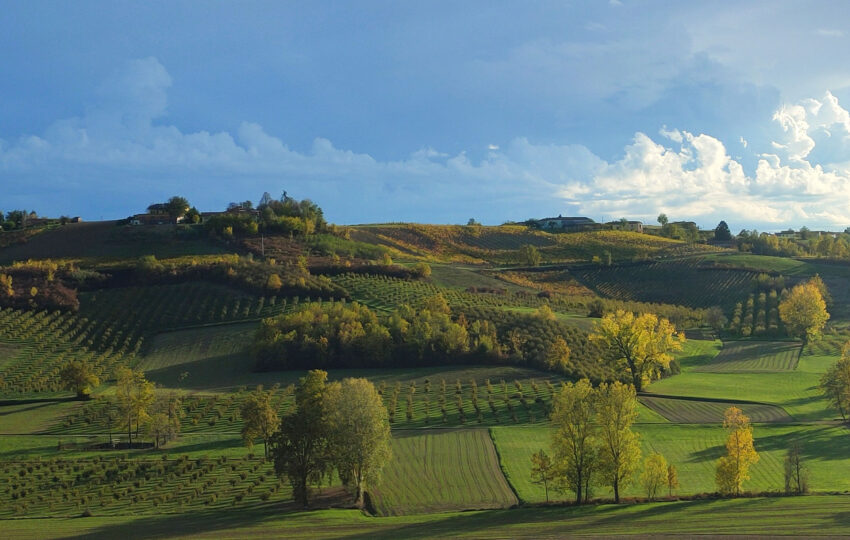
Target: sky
pixel 431 111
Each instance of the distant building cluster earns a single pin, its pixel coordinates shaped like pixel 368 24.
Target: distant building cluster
pixel 580 223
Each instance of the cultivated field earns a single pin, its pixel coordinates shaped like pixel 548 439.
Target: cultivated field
pixel 755 356
pixel 439 471
pixel 693 411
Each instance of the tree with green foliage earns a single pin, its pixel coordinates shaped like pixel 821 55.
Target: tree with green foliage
pixel 542 470
pixel 528 255
pixel 835 383
pixel 663 220
pixel 638 345
pixel 163 422
pixel 722 232
pixel 654 475
pixel 733 468
pixel 359 430
pixel 192 216
pixel 259 419
pixel 135 394
pixel 176 207
pixel 79 376
pixel 300 448
pixel 619 446
pixel 575 439
pixel 803 311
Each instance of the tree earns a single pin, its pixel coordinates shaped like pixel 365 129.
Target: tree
pixel 672 479
pixel 360 433
pixel 528 255
pixel 654 475
pixel 803 312
pixel 662 220
pixel 259 419
pixel 796 472
pixel 641 345
pixel 619 448
pixel 733 468
pixel 722 232
pixel 545 312
pixel 574 440
pixel 558 355
pixel 542 470
pixel 135 394
pixel 835 383
pixel 77 375
pixel 176 206
pixel 715 318
pixel 300 447
pixel 192 216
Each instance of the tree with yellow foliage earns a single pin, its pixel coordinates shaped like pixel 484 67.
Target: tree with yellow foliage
pixel 733 468
pixel 803 311
pixel 619 446
pixel 640 344
pixel 654 475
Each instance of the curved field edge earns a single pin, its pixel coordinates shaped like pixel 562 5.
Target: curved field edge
pixel 696 411
pixel 808 516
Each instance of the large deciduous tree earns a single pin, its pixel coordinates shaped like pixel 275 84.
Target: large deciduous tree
pixel 803 311
pixel 78 375
pixel 641 345
pixel 135 394
pixel 259 419
pixel 176 206
pixel 359 432
pixel 300 447
pixel 619 447
pixel 733 468
pixel 574 440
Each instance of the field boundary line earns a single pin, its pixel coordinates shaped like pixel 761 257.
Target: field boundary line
pixel 519 499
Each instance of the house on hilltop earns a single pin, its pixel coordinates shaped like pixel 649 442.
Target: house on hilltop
pixel 626 225
pixel 562 223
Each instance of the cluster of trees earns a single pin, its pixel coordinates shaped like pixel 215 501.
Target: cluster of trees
pixel 15 219
pixel 351 335
pixel 594 445
pixel 263 277
pixel 138 407
pixel 337 427
pixel 272 216
pixel 807 244
pixel 679 230
pixel 38 285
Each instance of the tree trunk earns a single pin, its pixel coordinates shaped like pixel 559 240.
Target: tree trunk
pixel 616 491
pixel 579 485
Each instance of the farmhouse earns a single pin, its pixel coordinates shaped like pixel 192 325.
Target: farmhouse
pixel 566 223
pixel 626 225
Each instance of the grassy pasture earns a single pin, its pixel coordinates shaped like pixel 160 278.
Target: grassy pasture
pixel 795 391
pixel 439 471
pixel 754 356
pixel 691 411
pixel 694 449
pixel 804 517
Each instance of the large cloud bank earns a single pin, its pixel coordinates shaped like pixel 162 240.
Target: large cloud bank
pixel 121 154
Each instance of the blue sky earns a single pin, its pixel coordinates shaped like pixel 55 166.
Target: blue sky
pixel 432 111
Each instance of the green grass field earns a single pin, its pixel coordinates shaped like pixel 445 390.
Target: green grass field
pixel 438 471
pixel 692 411
pixel 800 517
pixel 694 450
pixel 755 356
